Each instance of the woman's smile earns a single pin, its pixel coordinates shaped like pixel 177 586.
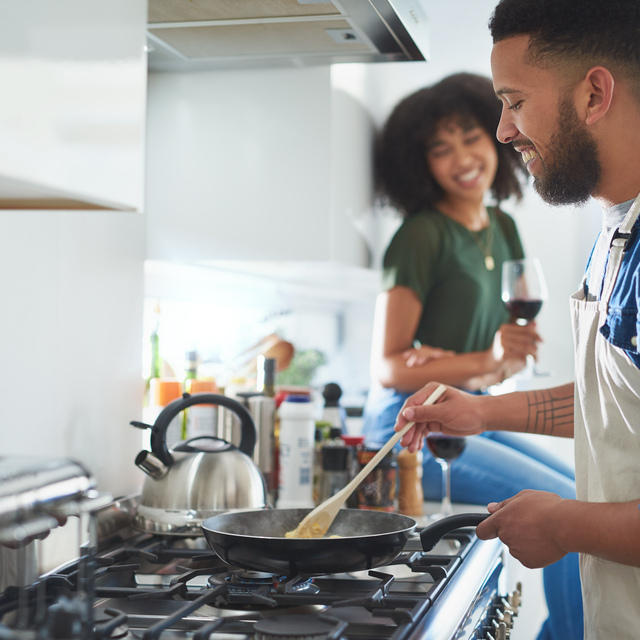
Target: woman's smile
pixel 470 178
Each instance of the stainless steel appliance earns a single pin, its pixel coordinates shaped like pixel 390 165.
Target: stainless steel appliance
pixel 199 477
pixel 189 36
pixel 146 585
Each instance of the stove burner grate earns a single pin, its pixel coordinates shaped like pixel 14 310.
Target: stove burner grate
pixel 320 627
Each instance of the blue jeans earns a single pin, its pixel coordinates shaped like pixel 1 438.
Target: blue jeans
pixel 495 466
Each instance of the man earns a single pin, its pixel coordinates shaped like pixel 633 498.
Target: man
pixel 568 76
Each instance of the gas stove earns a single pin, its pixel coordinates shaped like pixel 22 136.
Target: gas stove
pixel 129 584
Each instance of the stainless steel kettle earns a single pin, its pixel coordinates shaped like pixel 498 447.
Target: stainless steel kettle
pixel 199 477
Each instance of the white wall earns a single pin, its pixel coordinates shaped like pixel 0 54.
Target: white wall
pixel 70 339
pixel 71 283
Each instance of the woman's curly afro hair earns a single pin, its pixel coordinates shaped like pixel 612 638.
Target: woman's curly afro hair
pixel 403 179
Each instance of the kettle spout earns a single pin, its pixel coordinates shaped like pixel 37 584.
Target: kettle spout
pixel 151 465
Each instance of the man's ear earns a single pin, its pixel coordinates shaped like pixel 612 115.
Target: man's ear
pixel 596 93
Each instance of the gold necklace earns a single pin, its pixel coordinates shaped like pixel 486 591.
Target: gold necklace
pixel 485 247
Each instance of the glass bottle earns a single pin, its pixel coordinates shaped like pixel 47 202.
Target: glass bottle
pixel 266 376
pixel 155 367
pixel 190 373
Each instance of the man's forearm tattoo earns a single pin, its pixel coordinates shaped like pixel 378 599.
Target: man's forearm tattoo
pixel 546 413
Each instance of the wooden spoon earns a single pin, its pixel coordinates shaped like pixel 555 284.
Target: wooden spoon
pixel 316 523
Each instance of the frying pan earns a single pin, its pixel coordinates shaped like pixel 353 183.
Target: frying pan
pixel 255 540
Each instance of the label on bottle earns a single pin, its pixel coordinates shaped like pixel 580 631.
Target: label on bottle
pixel 202 420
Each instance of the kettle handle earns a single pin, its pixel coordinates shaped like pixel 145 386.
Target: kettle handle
pixel 159 429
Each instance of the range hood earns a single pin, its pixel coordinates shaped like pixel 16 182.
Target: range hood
pixel 185 35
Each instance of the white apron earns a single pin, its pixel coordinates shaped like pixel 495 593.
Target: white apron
pixel 607 450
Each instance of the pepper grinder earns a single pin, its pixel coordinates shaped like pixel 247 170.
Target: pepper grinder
pixel 410 494
pixel 333 413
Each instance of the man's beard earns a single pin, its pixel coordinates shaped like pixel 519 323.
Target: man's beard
pixel 573 171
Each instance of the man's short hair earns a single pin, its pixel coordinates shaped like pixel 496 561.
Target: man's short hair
pixel 575 34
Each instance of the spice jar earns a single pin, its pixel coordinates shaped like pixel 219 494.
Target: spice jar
pixel 378 490
pixel 334 470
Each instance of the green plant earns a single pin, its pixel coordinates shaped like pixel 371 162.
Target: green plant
pixel 302 368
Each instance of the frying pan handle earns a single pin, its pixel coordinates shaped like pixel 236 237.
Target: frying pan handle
pixel 431 535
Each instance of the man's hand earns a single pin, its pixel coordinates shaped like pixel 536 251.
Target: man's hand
pixel 527 525
pixel 456 413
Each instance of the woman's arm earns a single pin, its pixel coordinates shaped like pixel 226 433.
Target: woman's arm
pixel 396 319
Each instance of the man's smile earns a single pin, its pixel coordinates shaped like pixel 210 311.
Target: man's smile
pixel 528 154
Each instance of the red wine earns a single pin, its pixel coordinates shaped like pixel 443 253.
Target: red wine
pixel 446 447
pixel 525 309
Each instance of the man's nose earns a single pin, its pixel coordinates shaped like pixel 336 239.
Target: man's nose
pixel 507 131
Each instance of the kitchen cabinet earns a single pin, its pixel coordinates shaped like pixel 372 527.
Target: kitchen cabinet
pixel 72 114
pixel 269 164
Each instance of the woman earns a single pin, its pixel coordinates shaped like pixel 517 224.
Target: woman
pixel 440 314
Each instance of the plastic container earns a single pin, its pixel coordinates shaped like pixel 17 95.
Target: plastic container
pixel 296 448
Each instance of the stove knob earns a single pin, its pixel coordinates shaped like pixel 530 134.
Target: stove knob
pixel 515 597
pixel 506 606
pixel 500 630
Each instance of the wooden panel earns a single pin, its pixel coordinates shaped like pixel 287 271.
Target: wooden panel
pixel 58 204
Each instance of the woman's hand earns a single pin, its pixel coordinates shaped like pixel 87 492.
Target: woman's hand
pixel 515 342
pixel 511 346
pixel 424 353
pixel 456 413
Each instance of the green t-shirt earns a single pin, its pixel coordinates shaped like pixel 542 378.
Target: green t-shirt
pixel 439 259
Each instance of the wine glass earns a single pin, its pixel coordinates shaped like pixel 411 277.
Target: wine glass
pixel 523 291
pixel 444 450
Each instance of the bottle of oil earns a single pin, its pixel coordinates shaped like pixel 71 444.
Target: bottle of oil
pixel 155 368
